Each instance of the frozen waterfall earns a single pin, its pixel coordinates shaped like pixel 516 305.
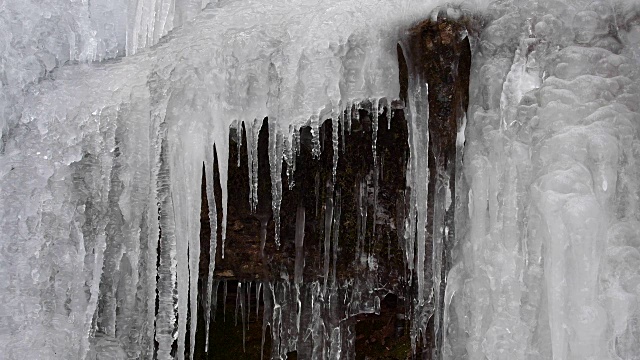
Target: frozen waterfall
pixel 520 240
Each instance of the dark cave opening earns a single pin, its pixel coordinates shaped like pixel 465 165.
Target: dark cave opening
pixel 444 61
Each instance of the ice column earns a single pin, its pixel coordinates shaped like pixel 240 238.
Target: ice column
pixel 551 204
pixel 418 183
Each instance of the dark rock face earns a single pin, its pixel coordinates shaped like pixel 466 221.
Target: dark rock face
pixel 381 187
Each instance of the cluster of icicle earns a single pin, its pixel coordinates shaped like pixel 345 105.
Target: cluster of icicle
pixel 304 317
pixel 101 177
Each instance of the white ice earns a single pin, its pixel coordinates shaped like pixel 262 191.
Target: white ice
pixel 100 160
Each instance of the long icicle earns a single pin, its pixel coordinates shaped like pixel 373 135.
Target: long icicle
pixel 418 182
pixel 241 291
pixel 248 291
pixel 389 114
pixel 222 151
pixel 258 291
pixel 239 139
pixel 267 314
pixel 299 262
pixel 374 125
pixel 238 299
pixel 167 272
pixel 194 274
pixel 328 220
pixel 276 139
pixel 213 240
pixel 290 155
pixel 253 130
pixel 335 141
pixel 336 235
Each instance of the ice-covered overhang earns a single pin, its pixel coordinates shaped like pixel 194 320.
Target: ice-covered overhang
pixel 245 60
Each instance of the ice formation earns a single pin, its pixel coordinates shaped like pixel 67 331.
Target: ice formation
pixel 100 170
pixel 550 154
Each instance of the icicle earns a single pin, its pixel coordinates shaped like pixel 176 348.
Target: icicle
pixel 342 126
pixel 376 175
pixel 194 271
pixel 362 219
pixel 258 291
pixel 315 134
pixel 299 243
pixel 276 324
pixel 182 260
pixel 388 114
pixel 336 235
pixel 253 131
pixel 167 272
pixel 248 291
pixel 317 327
pixel 348 118
pixel 239 139
pixel 213 240
pixel 328 220
pixel 374 126
pixel 417 182
pixel 250 154
pixel 420 137
pixel 297 139
pixel 299 262
pixel 275 162
pixel 153 236
pixel 267 314
pixel 290 155
pixel 336 344
pixel 100 241
pixel 438 233
pixel 350 341
pixel 334 140
pixel 222 150
pixel 238 299
pixel 93 300
pixel 359 222
pixel 224 300
pixel 242 313
pixel 191 279
pixel 298 309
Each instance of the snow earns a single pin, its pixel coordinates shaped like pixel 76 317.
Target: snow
pixel 108 110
